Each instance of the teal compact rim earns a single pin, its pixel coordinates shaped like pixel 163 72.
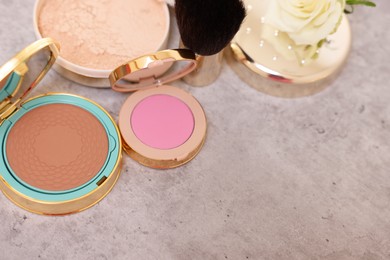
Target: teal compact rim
pixel 57 196
pixel 10 86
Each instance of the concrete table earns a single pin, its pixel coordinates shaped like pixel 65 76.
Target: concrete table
pixel 305 178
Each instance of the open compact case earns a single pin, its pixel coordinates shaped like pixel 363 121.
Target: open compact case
pixel 161 126
pixel 60 153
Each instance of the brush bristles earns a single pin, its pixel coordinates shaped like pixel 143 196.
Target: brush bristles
pixel 207 26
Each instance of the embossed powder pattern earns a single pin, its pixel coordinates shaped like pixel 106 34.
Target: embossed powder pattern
pixel 103 34
pixel 57 147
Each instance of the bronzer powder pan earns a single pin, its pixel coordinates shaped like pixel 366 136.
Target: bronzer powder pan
pixel 57 147
pixel 60 153
pixel 161 126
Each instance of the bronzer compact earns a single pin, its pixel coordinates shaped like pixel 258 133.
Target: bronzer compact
pixel 60 153
pixel 161 126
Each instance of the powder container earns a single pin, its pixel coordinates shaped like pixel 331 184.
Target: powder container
pixel 98 36
pixel 257 62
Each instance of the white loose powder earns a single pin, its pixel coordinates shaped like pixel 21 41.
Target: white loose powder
pixel 103 34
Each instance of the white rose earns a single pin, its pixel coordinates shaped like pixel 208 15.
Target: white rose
pixel 285 46
pixel 306 22
pixel 302 25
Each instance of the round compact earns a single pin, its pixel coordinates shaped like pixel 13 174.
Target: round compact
pixel 161 126
pixel 258 54
pixel 60 153
pixel 105 34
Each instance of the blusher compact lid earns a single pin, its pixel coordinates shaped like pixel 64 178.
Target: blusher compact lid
pixel 153 70
pixel 60 153
pixel 161 126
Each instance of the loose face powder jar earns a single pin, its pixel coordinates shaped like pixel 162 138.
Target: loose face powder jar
pixel 60 153
pixel 258 60
pixel 105 33
pixel 162 126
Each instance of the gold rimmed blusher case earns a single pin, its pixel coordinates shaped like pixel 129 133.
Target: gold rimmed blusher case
pixel 162 126
pixel 60 153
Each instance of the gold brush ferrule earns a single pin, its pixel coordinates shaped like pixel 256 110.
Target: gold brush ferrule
pixel 207 70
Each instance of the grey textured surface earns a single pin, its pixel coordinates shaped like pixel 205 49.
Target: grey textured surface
pixel 305 178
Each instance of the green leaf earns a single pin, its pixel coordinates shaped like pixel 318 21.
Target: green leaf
pixel 361 2
pixel 352 3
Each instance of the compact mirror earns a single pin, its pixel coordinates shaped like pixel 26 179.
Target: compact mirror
pixel 23 72
pixel 153 70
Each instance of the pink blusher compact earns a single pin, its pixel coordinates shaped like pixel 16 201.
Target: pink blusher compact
pixel 162 122
pixel 161 126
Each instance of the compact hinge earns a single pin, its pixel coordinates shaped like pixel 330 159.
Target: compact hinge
pixel 7 108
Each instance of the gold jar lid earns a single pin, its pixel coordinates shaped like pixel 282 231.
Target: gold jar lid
pixel 258 63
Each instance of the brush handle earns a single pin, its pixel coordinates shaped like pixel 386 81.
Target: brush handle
pixel 207 70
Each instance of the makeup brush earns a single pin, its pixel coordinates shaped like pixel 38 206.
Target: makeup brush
pixel 206 27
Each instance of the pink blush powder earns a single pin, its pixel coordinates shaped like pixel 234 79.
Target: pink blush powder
pixel 162 122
